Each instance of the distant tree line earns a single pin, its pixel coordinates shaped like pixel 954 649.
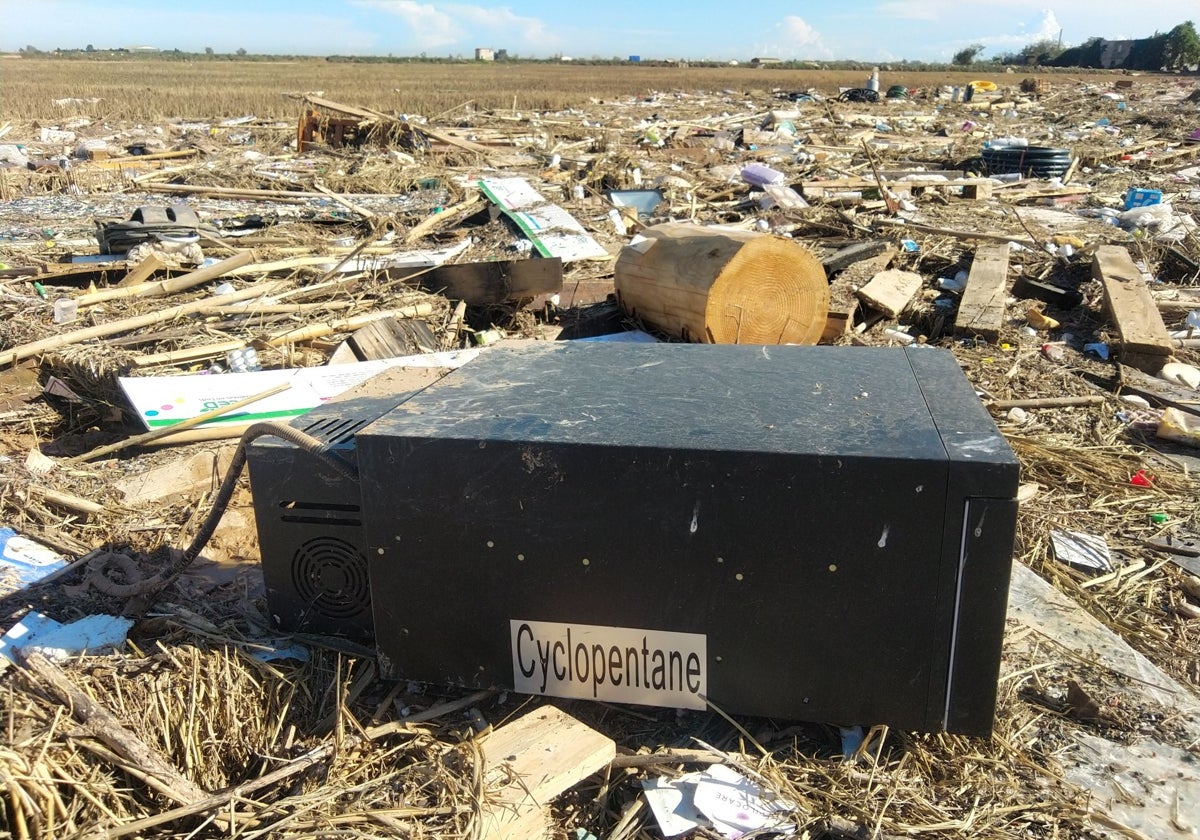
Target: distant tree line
pixel 1178 49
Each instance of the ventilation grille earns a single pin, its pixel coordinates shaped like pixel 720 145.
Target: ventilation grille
pixel 334 430
pixel 330 575
pixel 320 513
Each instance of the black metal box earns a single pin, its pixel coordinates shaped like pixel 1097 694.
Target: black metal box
pixel 813 533
pixel 309 516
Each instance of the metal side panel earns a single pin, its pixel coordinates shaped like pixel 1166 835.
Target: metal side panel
pixel 981 605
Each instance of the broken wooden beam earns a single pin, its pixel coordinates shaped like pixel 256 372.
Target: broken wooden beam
pixel 143 271
pixel 490 283
pixel 530 762
pixel 391 338
pixel 981 310
pixel 1144 341
pixel 843 304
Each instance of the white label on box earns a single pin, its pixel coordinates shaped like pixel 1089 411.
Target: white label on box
pixel 614 664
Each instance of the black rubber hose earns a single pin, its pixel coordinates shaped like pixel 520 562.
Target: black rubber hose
pixel 305 441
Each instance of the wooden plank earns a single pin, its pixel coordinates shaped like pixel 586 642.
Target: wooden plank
pixel 531 761
pixel 890 291
pixel 1144 340
pixel 377 341
pixel 389 338
pixel 142 272
pixel 981 310
pixel 190 476
pixel 843 305
pixel 487 283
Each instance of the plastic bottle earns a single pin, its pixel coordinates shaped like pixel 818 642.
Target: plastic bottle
pixel 1193 319
pixel 756 174
pixel 64 310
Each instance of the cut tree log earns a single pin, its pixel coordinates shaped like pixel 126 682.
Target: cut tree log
pixel 890 291
pixel 981 310
pixel 1144 341
pixel 528 763
pixel 718 286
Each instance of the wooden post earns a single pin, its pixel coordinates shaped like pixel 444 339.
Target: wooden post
pixel 718 286
pixel 981 310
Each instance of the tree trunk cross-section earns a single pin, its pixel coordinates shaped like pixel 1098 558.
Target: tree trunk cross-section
pixel 719 286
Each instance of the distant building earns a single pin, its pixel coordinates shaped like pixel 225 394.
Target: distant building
pixel 485 54
pixel 635 58
pixel 143 49
pixel 502 55
pixel 760 61
pixel 1115 53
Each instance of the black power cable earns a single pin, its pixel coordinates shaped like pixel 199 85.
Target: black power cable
pixel 152 586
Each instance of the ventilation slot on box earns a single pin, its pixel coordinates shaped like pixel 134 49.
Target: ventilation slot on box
pixel 319 513
pixel 334 430
pixel 330 575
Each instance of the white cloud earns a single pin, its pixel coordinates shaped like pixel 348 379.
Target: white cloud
pixel 797 30
pixel 430 26
pixel 450 23
pixel 504 22
pixel 1050 27
pixel 794 37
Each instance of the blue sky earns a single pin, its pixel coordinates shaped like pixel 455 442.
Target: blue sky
pixel 884 30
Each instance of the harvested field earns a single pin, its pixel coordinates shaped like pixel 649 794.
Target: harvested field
pixel 397 231
pixel 157 90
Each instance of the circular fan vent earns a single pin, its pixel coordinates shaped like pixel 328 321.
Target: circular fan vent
pixel 331 576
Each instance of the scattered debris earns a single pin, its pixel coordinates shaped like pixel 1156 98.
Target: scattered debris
pixel 223 272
